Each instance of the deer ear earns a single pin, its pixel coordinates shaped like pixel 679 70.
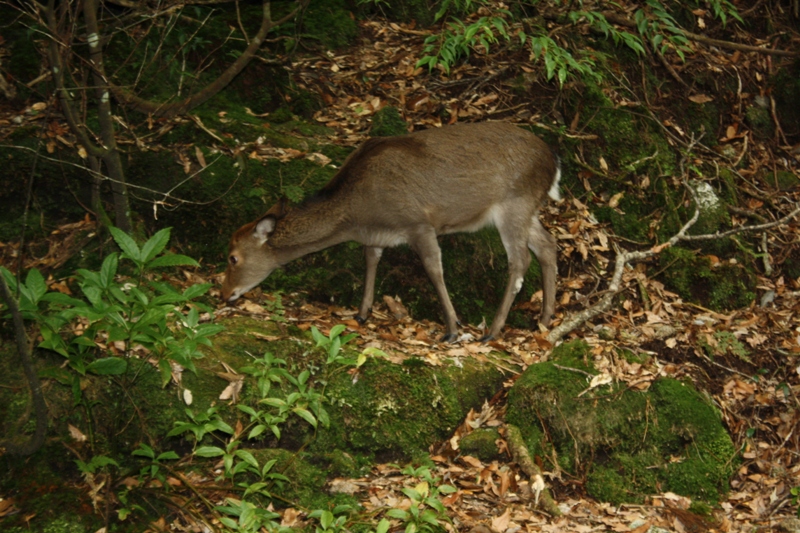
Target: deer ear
pixel 264 228
pixel 278 211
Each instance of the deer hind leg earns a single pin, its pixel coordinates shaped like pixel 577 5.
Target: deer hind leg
pixel 515 239
pixel 373 255
pixel 543 245
pixel 427 247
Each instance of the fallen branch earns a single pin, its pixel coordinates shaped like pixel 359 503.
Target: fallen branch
pixel 624 258
pixel 519 451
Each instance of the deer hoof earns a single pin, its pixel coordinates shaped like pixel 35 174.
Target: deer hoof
pixel 486 338
pixel 450 337
pixel 361 320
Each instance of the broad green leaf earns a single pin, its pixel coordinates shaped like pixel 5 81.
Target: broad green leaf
pixel 397 513
pixel 221 425
pixel 168 456
pixel 83 340
pixel 166 372
pixel 256 431
pixel 126 244
pixel 196 290
pixel 209 451
pixel 169 260
pixel 155 245
pixel 144 451
pixel 322 414
pixel 108 366
pixel 108 270
pixel 247 457
pixel 305 415
pixel 383 526
pixel 60 298
pixel 274 402
pixel 337 330
pixel 247 409
pixel 36 284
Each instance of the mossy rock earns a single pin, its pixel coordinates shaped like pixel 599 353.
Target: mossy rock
pixel 395 412
pixel 626 141
pixel 307 478
pixel 760 122
pixel 720 287
pixel 389 410
pixel 388 122
pixel 331 22
pixel 786 90
pixel 624 442
pixel 481 443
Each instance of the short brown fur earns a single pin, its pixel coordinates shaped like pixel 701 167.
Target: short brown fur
pixel 409 189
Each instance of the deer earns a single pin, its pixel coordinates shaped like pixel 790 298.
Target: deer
pixel 409 189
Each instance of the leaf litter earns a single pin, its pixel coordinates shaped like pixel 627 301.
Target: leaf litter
pixel 762 341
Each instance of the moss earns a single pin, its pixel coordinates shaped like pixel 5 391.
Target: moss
pixel 722 287
pixel 631 220
pixel 481 443
pixel 307 482
pixel 628 141
pixel 786 90
pixel 760 122
pixel 397 412
pixel 624 442
pixel 388 122
pixel 330 22
pixel 785 180
pixel 281 115
pixel 412 11
pixel 702 118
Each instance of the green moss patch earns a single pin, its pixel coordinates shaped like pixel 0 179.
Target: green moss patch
pixel 481 443
pixel 721 286
pixel 626 444
pixel 394 411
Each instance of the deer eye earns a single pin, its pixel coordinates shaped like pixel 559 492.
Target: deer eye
pixel 233 260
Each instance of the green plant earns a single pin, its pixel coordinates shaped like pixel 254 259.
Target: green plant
pixel 723 342
pixel 458 39
pixel 250 517
pixel 655 24
pixel 333 343
pixel 153 471
pixel 426 512
pixel 119 317
pixel 96 463
pixel 201 424
pixel 558 61
pixel 722 9
pixel 329 522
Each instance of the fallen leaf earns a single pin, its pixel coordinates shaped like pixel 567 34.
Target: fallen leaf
pixel 701 98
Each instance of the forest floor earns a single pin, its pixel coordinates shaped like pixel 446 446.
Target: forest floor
pixel 746 360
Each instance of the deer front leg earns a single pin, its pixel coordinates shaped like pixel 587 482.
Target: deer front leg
pixel 427 247
pixel 373 255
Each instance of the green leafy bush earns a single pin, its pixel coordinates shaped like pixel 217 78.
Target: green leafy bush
pixel 132 314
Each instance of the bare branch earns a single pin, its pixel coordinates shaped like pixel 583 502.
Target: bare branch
pixel 176 108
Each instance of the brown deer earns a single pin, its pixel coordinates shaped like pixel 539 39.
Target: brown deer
pixel 409 189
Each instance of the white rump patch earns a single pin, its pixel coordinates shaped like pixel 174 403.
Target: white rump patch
pixel 554 191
